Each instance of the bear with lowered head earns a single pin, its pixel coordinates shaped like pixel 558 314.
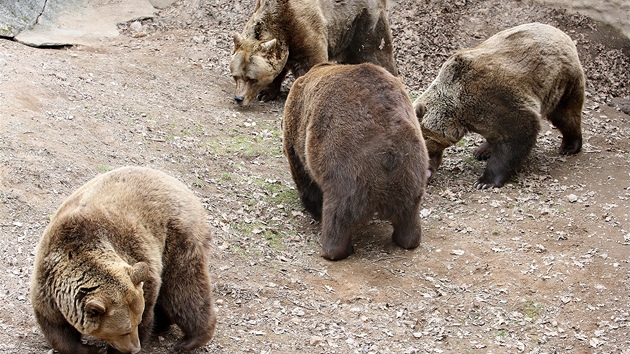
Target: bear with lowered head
pixel 294 35
pixel 355 150
pixel 500 90
pixel 124 254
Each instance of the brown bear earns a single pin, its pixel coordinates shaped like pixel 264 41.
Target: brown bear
pixel 284 35
pixel 125 254
pixel 501 89
pixel 355 148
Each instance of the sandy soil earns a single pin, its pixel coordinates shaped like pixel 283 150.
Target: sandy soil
pixel 539 266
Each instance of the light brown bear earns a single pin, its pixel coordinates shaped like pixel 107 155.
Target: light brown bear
pixel 284 35
pixel 501 89
pixel 355 148
pixel 124 254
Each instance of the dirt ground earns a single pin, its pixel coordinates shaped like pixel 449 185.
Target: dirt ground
pixel 541 265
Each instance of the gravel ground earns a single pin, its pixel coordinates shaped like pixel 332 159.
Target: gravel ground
pixel 539 266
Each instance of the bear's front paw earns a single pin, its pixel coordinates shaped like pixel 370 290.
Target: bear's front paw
pixel 485 183
pixel 570 146
pixel 267 95
pixel 337 253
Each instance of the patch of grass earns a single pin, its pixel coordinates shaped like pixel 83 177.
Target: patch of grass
pixel 279 194
pixel 245 145
pixel 462 142
pixel 531 309
pixel 260 231
pixel 276 194
pixel 238 249
pixel 263 141
pixel 103 168
pixel 198 182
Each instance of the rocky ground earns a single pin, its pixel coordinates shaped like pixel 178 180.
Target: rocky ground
pixel 541 265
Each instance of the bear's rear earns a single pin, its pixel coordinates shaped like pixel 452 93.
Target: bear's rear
pixel 355 150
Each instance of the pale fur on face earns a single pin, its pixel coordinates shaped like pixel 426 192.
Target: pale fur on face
pixel 113 313
pixel 254 66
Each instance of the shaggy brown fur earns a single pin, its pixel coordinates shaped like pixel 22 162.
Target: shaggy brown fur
pixel 284 35
pixel 130 244
pixel 501 89
pixel 355 148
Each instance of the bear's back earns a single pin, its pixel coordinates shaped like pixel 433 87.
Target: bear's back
pixel 528 54
pixel 131 211
pixel 531 63
pixel 366 134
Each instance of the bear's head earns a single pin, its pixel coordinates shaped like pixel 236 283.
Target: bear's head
pixel 434 140
pixel 113 311
pixel 254 66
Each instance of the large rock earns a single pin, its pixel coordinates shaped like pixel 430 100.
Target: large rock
pixel 16 16
pixel 42 23
pixel 71 22
pixel 613 12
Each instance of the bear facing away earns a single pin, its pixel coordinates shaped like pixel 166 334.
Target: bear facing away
pixel 501 89
pixel 294 35
pixel 125 254
pixel 355 149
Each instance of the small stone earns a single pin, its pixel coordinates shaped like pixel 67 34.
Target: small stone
pixel 136 27
pixel 315 340
pixel 572 198
pixel 199 39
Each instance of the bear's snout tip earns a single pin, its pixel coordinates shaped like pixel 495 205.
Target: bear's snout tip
pixel 239 99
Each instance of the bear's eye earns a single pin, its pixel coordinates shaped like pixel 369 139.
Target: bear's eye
pixel 252 80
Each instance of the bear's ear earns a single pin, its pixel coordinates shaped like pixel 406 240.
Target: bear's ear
pixel 94 307
pixel 238 39
pixel 138 273
pixel 420 111
pixel 268 46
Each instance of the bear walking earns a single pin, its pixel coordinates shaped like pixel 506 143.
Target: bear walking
pixel 124 254
pixel 355 148
pixel 501 89
pixel 294 35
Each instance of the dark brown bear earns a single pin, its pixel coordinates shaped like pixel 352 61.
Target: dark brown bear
pixel 294 35
pixel 125 253
pixel 355 148
pixel 501 89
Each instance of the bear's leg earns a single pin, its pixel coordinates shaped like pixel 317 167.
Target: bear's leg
pixel 186 297
pixel 567 117
pixel 338 217
pixel 310 193
pixel 373 46
pixel 65 338
pixel 407 230
pixel 271 92
pixel 145 329
pixel 484 151
pixel 384 51
pixel 162 322
pixel 505 159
